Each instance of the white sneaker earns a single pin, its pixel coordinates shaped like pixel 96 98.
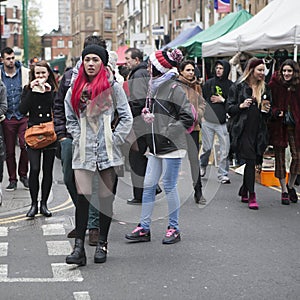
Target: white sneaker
pixel 202 171
pixel 224 179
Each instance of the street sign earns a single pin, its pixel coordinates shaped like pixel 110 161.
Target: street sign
pixel 158 30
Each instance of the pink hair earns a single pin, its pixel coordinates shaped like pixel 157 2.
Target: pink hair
pixel 97 86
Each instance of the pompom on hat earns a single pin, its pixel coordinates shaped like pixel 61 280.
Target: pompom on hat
pixel 163 61
pixel 98 50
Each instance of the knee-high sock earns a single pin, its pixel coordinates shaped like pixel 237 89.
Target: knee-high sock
pixel 81 215
pixel 105 216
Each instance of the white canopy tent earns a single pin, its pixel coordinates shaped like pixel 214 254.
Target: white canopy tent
pixel 276 26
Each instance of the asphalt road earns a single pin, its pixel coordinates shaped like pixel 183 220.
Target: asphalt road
pixel 227 251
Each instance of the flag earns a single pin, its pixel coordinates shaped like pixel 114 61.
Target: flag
pixel 216 4
pixel 223 6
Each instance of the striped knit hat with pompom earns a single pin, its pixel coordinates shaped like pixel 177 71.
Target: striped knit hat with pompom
pixel 163 61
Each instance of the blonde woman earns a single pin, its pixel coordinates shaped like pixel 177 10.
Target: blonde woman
pixel 249 105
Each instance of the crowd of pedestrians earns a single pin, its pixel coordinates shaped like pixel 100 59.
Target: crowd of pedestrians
pixel 152 113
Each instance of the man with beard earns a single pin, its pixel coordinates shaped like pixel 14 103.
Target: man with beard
pixel 14 77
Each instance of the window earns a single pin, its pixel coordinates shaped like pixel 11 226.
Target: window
pixel 70 44
pixel 60 44
pixel 108 24
pixel 107 4
pixel 15 12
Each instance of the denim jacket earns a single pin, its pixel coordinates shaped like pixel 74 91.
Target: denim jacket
pixel 99 149
pixel 14 87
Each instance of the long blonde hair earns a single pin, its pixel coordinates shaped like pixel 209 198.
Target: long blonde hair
pixel 261 86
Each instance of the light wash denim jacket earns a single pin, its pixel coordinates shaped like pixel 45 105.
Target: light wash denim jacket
pixel 101 149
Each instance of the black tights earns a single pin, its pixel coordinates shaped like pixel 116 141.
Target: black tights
pixel 107 187
pixel 35 166
pixel 249 175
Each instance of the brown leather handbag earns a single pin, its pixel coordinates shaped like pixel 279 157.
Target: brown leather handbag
pixel 40 136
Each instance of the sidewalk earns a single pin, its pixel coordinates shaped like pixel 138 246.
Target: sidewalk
pixel 19 201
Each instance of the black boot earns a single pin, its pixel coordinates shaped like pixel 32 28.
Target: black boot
pixel 101 252
pixel 77 257
pixel 198 196
pixel 33 210
pixel 44 210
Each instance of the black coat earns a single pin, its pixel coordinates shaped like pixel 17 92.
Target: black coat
pixel 173 115
pixel 238 92
pixel 59 106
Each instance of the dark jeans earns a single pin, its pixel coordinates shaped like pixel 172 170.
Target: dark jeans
pixel 193 155
pixel 35 166
pixel 12 129
pixel 138 164
pixel 66 162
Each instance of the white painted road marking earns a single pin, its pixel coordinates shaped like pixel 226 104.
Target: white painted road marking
pixel 53 229
pixel 3 249
pixel 3 231
pixel 81 296
pixel 61 273
pixel 59 247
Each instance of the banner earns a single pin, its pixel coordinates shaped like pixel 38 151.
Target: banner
pixel 223 6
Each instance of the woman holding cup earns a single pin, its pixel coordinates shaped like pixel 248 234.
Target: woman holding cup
pixel 249 106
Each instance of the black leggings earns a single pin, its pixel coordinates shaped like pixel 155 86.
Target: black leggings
pixel 249 175
pixel 35 166
pixel 107 189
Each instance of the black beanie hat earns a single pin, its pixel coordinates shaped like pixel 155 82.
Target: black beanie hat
pixel 95 49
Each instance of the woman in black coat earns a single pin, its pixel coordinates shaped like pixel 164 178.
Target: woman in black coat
pixel 37 100
pixel 248 105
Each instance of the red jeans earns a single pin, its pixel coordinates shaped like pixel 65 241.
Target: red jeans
pixel 12 129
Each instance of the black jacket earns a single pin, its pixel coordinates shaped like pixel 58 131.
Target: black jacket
pixel 39 106
pixel 173 115
pixel 240 91
pixel 59 106
pixel 216 112
pixel 138 86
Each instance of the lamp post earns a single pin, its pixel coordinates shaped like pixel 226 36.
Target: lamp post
pixel 25 31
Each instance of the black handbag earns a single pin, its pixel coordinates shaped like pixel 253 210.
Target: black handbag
pixel 288 119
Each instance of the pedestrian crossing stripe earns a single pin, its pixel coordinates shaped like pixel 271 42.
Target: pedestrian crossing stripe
pixel 53 229
pixel 58 247
pixel 3 231
pixel 3 249
pixel 81 296
pixel 61 273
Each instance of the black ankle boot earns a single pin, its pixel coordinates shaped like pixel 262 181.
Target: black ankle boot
pixel 44 210
pixel 101 252
pixel 198 196
pixel 78 256
pixel 33 210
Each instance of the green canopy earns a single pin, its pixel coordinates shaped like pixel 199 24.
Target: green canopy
pixel 231 21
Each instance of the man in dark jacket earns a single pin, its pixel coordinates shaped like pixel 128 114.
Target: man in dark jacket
pixel 138 79
pixel 215 92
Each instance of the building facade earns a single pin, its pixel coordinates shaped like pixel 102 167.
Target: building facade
pixel 93 17
pixel 64 16
pixel 11 25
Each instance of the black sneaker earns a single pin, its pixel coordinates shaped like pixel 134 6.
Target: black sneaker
pixel 12 186
pixel 172 236
pixel 139 234
pixel 134 201
pixel 285 199
pixel 292 194
pixel 24 180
